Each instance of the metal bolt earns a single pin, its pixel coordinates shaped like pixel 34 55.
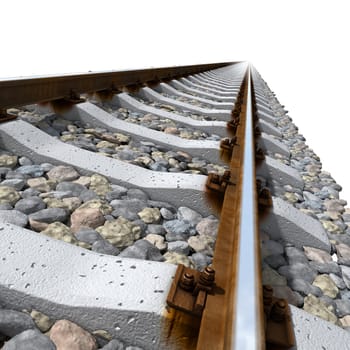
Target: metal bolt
pixel 187 281
pixel 207 277
pixel 278 311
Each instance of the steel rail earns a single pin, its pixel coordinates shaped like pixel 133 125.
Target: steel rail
pixel 24 91
pixel 233 317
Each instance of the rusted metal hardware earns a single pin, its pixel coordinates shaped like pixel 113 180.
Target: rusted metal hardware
pixel 264 195
pixel 257 132
pixel 219 183
pixel 25 91
pixel 227 144
pixel 74 97
pixel 233 125
pixel 189 289
pixel 279 333
pixel 5 117
pixel 259 153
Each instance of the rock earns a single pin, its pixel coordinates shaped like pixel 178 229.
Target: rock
pixel 14 217
pixel 150 215
pixel 334 205
pixel 14 322
pixel 49 215
pixel 63 173
pixel 200 261
pixel 83 180
pixel 87 235
pixel 8 161
pixel 104 207
pixel 30 192
pixel 119 232
pixel 135 193
pixel 317 255
pixel 189 215
pixel 345 321
pixel 176 258
pixel 346 275
pixel 116 193
pixel 30 205
pixel 24 161
pixel 343 253
pixel 42 321
pixel 298 270
pixel 318 308
pixel 337 280
pixel 17 184
pixel 177 230
pixel 88 195
pixel 157 241
pixel 100 185
pixel 86 218
pixel 275 261
pixel 202 244
pixel 270 247
pixel 104 247
pixel 41 184
pixel 67 335
pixel 71 203
pixel 342 307
pixel 59 231
pixel 208 227
pixel 8 195
pixel 127 208
pixel 295 255
pixel 31 170
pixel 304 287
pixel 142 249
pixel 331 227
pixel 75 188
pixel 155 229
pixel 284 292
pixel 180 247
pixel 329 267
pixel 326 284
pixel 166 214
pixel 29 340
pixel 114 344
pixel 272 277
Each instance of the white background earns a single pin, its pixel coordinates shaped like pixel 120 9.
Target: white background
pixel 301 49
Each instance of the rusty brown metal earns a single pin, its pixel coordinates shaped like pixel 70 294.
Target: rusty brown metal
pixel 24 91
pixel 279 331
pixel 227 144
pixel 219 183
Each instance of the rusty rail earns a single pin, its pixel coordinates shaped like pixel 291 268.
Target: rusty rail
pixel 24 91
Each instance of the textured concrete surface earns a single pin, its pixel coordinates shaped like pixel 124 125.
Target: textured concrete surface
pixel 268 117
pixel 219 114
pixel 267 142
pixel 125 297
pixel 196 84
pixel 312 332
pixel 271 168
pixel 292 226
pixel 178 85
pixel 268 128
pixel 176 188
pixel 163 87
pixel 213 127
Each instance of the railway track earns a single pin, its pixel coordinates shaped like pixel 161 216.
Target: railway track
pixel 150 207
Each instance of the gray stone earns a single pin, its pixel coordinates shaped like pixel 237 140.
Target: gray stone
pixel 337 280
pixel 87 195
pixel 295 255
pixel 334 205
pixel 25 161
pixel 180 247
pixel 142 249
pixel 329 267
pixel 49 215
pixel 200 260
pixel 88 236
pixel 75 188
pixel 189 215
pixel 30 192
pixel 284 292
pixel 30 205
pixel 270 247
pixel 63 173
pixel 342 307
pixel 304 287
pixel 14 322
pixel 156 229
pixel 104 247
pixel 298 270
pixel 32 170
pixel 135 193
pixel 116 193
pixel 14 217
pixel 208 226
pixel 275 261
pixel 6 206
pixel 30 340
pixel 177 230
pixel 272 277
pixel 17 184
pixel 114 344
pixel 167 214
pixel 346 275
